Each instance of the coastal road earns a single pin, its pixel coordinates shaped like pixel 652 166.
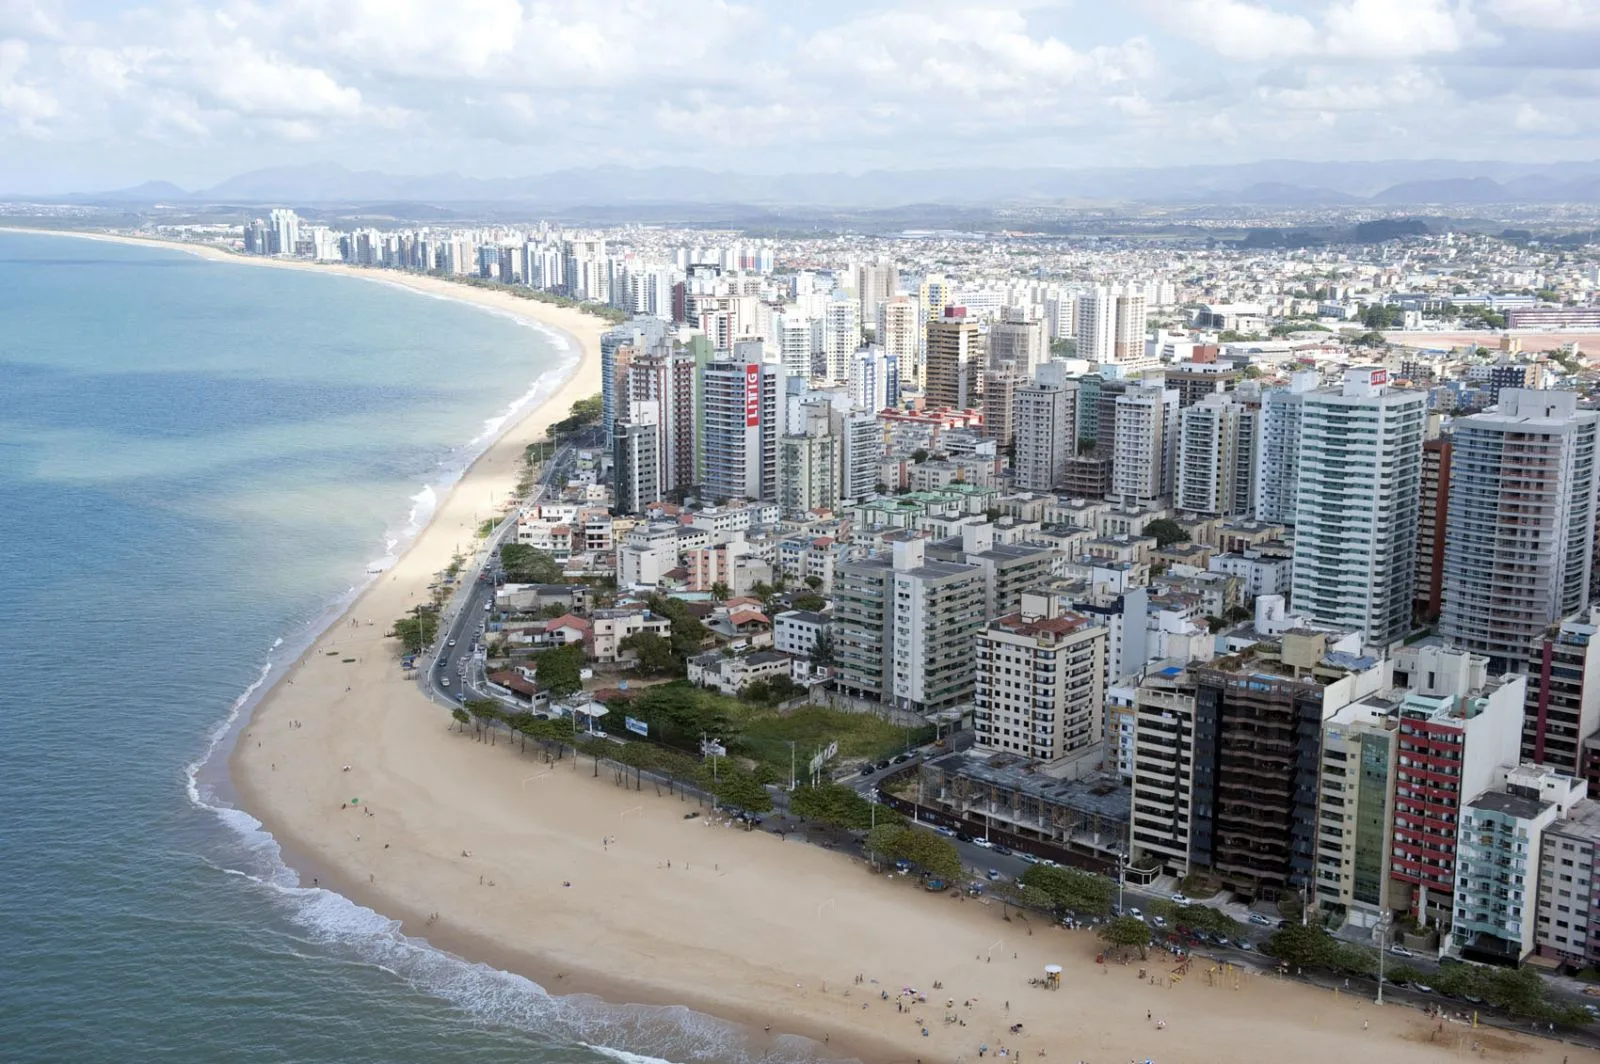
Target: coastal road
pixel 467 615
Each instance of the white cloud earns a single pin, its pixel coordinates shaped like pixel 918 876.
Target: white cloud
pixel 27 106
pixel 1548 14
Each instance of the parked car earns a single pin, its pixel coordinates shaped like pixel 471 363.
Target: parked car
pixel 1260 921
pixel 1400 951
pixel 1028 857
pixel 902 759
pixel 1002 850
pixel 985 843
pixel 1181 899
pixel 962 836
pixel 994 873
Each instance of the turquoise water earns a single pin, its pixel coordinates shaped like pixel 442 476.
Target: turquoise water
pixel 198 462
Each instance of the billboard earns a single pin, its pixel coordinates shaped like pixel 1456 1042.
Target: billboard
pixel 638 727
pixel 752 396
pixel 1380 376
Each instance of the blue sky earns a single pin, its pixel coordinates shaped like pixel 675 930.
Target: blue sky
pixel 98 94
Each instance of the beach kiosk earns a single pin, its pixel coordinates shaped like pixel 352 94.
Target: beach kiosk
pixel 1052 976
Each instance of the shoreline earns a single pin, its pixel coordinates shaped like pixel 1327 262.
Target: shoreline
pixel 739 926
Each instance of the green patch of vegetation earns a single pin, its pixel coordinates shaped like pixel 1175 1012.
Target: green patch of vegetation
pixel 934 855
pixel 529 565
pixel 1071 888
pixel 416 631
pixel 840 806
pixel 1126 932
pixel 558 670
pixel 487 527
pixel 1166 532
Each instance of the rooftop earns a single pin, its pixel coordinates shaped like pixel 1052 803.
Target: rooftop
pixel 1100 793
pixel 1509 804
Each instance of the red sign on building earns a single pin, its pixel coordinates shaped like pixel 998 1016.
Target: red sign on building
pixel 752 396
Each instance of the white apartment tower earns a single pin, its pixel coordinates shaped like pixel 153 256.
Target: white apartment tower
pixel 1109 324
pixel 742 421
pixel 1019 341
pixel 1144 442
pixel 900 336
pixel 841 335
pixel 1044 425
pixel 1278 461
pixel 1521 522
pixel 1215 457
pixel 1357 505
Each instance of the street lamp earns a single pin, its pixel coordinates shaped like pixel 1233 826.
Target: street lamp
pixel 1384 929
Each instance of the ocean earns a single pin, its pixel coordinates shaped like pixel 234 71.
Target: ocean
pixel 198 463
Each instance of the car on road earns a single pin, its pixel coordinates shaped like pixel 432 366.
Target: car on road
pixel 962 836
pixel 1400 951
pixel 866 770
pixel 451 643
pixel 1002 850
pixel 1181 899
pixel 1158 921
pixel 994 873
pixel 1135 913
pixel 882 765
pixel 445 681
pixel 1422 988
pixel 1248 947
pixel 1028 857
pixel 985 843
pixel 901 759
pixel 1260 921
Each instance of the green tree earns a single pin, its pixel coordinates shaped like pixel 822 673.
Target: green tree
pixel 529 565
pixel 719 591
pixel 1071 888
pixel 416 631
pixel 839 806
pixel 1126 932
pixel 806 601
pixel 460 716
pixel 1303 946
pixel 762 590
pixel 933 854
pixel 736 788
pixel 822 649
pixel 919 456
pixel 814 582
pixel 558 670
pixel 688 634
pixel 652 652
pixel 1166 531
pixel 1064 348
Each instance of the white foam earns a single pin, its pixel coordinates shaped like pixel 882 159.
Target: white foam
pixel 626 1057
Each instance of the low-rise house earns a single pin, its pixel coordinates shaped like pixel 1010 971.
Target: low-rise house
pixel 730 675
pixel 796 631
pixel 612 626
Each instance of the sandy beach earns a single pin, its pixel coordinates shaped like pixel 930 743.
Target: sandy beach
pixel 584 885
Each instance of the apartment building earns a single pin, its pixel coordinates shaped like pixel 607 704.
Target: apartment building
pixel 1498 858
pixel 953 361
pixel 1216 438
pixel 905 628
pixel 636 459
pixel 1356 505
pixel 1278 462
pixel 1567 924
pixel 1143 443
pixel 1038 688
pixel 1163 771
pixel 1355 809
pixel 743 419
pixel 1044 424
pixel 1521 522
pixel 1563 694
pixel 1433 516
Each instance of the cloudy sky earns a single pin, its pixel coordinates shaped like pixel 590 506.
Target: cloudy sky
pixel 103 93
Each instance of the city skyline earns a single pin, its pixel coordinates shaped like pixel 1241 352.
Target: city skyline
pixel 93 96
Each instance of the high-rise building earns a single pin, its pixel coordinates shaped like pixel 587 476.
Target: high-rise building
pixel 636 449
pixel 1128 332
pixel 1360 480
pixel 954 360
pixel 905 628
pixel 1258 760
pixel 1109 325
pixel 1433 515
pixel 1278 460
pixel 1355 814
pixel 285 237
pixel 1215 450
pixel 743 419
pixel 1457 728
pixel 1563 694
pixel 796 338
pixel 934 294
pixel 874 379
pixel 808 462
pixel 1018 340
pixel 900 336
pixel 1162 817
pixel 667 379
pixel 875 282
pixel 618 346
pixel 1044 426
pixel 1197 380
pixel 841 335
pixel 1038 688
pixel 999 396
pixel 1143 443
pixel 861 452
pixel 1521 525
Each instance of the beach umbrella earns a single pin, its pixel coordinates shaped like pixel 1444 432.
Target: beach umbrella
pixel 1052 969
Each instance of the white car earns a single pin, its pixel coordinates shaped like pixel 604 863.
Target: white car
pixel 451 643
pixel 1181 899
pixel 985 843
pixel 1400 951
pixel 445 681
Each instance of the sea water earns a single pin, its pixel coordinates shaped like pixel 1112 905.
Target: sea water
pixel 199 463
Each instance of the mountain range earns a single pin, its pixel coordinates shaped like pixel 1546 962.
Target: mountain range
pixel 1281 183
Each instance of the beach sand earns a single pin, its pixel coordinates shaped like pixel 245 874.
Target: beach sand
pixel 664 910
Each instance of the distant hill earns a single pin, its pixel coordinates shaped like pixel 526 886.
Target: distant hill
pixel 1283 183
